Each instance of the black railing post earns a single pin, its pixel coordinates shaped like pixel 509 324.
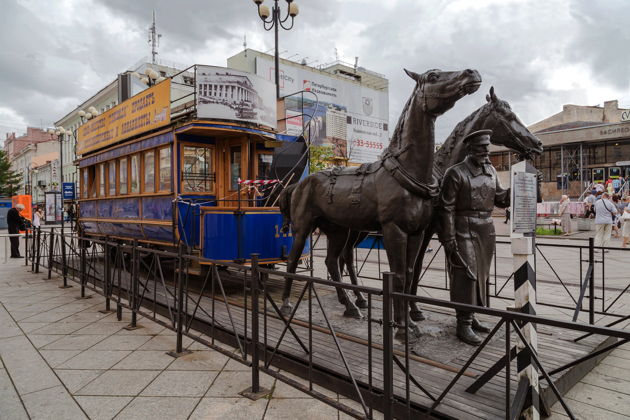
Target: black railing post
pixel 64 262
pixel 388 346
pixel 82 264
pixel 51 245
pixel 39 249
pixel 591 280
pixel 107 289
pixel 179 348
pixel 255 392
pixel 135 268
pixel 25 246
pixel 120 260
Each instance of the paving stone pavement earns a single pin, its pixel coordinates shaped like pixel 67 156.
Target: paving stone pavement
pixel 60 358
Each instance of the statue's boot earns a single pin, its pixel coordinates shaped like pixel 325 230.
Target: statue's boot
pixel 465 331
pixel 480 326
pixel 286 309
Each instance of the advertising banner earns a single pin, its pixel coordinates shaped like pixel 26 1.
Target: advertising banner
pixel 54 207
pixel 235 95
pixel 351 118
pixel 145 111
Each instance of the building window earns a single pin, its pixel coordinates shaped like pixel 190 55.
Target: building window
pixel 111 172
pixel 165 169
pixel 122 169
pixel 101 180
pixel 197 169
pixel 135 175
pixel 149 171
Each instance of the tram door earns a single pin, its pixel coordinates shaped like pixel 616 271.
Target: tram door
pixel 233 162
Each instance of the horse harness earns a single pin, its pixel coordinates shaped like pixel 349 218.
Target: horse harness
pixel 391 164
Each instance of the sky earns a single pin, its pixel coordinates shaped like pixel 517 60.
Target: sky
pixel 538 54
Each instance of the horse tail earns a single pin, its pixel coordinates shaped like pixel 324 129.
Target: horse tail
pixel 284 202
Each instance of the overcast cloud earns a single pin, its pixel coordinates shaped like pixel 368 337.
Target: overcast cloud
pixel 539 54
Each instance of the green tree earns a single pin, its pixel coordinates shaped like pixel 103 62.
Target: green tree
pixel 320 158
pixel 9 180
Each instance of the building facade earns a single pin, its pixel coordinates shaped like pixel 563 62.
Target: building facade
pixel 582 145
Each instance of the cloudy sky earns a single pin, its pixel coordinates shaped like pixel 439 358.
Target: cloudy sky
pixel 539 54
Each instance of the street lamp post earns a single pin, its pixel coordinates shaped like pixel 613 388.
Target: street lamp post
pixel 273 20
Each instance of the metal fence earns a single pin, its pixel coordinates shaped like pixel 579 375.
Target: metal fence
pixel 232 304
pixel 585 284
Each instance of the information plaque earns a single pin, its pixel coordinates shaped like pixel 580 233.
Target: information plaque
pixel 524 202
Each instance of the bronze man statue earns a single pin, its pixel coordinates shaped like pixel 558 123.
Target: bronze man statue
pixel 470 190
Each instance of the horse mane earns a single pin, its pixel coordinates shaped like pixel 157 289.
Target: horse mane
pixel 441 158
pixel 394 143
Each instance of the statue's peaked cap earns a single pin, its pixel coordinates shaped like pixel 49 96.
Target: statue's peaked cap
pixel 478 137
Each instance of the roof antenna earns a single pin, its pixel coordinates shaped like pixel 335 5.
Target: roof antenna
pixel 154 40
pixel 245 44
pixel 356 63
pixel 336 54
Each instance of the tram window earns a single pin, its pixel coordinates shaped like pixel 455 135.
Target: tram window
pixel 122 165
pixel 101 180
pixel 91 181
pixel 235 167
pixel 264 165
pixel 135 175
pixel 165 169
pixel 198 175
pixel 111 172
pixel 149 171
pixel 84 183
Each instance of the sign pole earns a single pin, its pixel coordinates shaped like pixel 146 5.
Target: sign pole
pixel 523 235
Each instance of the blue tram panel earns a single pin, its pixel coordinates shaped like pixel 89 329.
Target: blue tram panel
pixel 228 236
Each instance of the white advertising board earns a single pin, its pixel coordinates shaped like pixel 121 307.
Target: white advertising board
pixel 229 94
pixel 351 117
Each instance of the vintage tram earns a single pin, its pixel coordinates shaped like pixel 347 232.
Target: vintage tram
pixel 202 168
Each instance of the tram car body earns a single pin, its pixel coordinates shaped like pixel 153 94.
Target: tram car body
pixel 181 181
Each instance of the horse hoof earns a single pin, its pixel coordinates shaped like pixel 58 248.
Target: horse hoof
pixel 286 309
pixel 416 331
pixel 361 303
pixel 353 312
pixel 416 315
pixel 410 338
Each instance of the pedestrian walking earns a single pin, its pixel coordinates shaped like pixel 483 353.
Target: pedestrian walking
pixel 565 215
pixel 38 215
pixel 15 223
pixel 589 203
pixel 604 212
pixel 507 215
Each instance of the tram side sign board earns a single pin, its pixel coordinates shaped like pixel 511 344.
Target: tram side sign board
pixel 229 94
pixel 145 111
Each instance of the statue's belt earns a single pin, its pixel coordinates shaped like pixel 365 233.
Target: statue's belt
pixel 408 182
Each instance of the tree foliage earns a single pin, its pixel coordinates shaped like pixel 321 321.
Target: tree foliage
pixel 9 180
pixel 320 158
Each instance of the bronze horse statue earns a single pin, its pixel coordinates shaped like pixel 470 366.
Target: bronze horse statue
pixel 393 194
pixel 508 131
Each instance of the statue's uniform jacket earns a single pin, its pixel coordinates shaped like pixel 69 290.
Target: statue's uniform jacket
pixel 468 195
